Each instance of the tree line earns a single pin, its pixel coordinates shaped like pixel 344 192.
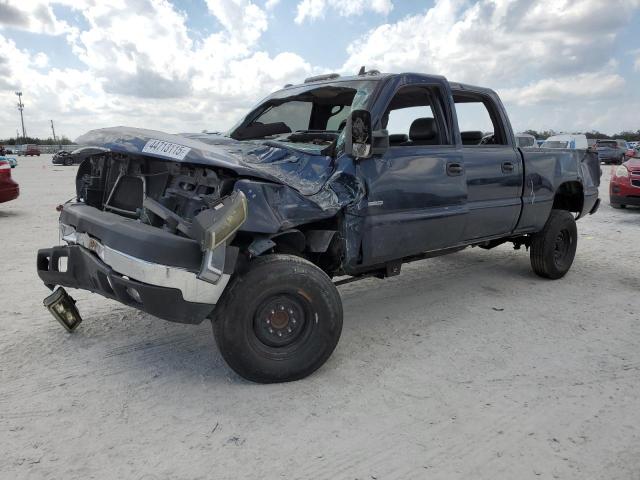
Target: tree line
pixel 36 141
pixel 627 135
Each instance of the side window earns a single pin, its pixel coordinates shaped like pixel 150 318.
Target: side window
pixel 400 120
pixel 412 120
pixel 478 124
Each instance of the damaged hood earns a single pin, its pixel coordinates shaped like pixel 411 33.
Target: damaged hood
pixel 304 171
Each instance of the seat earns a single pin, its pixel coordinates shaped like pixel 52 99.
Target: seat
pixel 423 131
pixel 398 138
pixel 472 137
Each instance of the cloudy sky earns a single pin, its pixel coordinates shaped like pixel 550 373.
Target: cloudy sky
pixel 189 65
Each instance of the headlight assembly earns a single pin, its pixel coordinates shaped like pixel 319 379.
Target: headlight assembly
pixel 622 171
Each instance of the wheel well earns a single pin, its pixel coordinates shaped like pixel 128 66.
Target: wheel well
pixel 569 197
pixel 319 242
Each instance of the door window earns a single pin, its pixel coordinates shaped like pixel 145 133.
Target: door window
pixel 412 118
pixel 478 121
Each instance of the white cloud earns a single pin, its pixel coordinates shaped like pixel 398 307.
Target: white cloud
pixel 565 45
pixel 492 41
pixel 143 69
pixel 598 85
pixel 271 4
pixel 551 61
pixel 244 20
pixel 314 9
pixel 140 48
pixel 32 15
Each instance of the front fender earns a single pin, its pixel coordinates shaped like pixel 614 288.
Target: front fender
pixel 273 207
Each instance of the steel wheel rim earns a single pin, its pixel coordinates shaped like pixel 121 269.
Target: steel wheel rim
pixel 562 246
pixel 281 320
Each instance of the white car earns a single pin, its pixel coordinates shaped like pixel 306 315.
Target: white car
pixel 525 140
pixel 577 141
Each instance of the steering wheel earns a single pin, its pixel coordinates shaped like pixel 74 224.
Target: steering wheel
pixel 488 140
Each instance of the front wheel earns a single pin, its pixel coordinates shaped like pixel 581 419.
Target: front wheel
pixel 280 321
pixel 554 248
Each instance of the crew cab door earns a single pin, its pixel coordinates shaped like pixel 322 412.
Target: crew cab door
pixel 416 191
pixel 493 164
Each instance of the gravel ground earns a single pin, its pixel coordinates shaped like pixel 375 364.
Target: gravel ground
pixel 467 366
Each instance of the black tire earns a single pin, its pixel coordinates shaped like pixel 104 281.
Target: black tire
pixel 617 205
pixel 554 247
pixel 68 162
pixel 279 321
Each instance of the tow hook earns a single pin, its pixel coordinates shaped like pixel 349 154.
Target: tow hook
pixel 63 308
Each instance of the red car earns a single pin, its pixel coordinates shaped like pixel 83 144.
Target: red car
pixel 8 188
pixel 32 151
pixel 624 188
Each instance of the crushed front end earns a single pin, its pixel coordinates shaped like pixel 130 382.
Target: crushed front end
pixel 151 233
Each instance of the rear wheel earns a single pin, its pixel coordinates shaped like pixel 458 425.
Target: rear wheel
pixel 279 321
pixel 618 205
pixel 554 248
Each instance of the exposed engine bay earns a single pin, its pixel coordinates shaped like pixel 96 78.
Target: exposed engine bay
pixel 163 194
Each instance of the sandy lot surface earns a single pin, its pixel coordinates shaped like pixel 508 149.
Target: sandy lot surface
pixel 466 366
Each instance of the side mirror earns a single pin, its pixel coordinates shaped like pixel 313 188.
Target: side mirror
pixel 361 141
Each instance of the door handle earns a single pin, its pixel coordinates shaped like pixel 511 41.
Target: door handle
pixel 454 169
pixel 507 167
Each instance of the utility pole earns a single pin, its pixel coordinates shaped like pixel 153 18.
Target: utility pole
pixel 21 107
pixel 54 133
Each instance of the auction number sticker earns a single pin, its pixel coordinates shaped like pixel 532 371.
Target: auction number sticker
pixel 166 149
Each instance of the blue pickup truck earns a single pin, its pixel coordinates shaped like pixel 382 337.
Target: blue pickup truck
pixel 336 178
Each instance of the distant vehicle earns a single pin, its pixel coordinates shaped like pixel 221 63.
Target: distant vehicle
pixel 633 152
pixel 62 158
pixel 611 151
pixel 76 157
pixel 634 144
pixel 572 142
pixel 13 163
pixel 28 151
pixel 525 140
pixel 9 189
pixel 624 188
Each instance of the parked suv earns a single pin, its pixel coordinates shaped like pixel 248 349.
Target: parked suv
pixel 334 177
pixel 611 151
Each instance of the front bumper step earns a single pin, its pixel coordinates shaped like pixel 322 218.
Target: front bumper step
pixel 86 271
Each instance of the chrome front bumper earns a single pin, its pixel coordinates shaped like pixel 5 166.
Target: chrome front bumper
pixel 193 289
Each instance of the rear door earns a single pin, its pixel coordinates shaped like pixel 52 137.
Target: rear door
pixel 493 164
pixel 417 190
